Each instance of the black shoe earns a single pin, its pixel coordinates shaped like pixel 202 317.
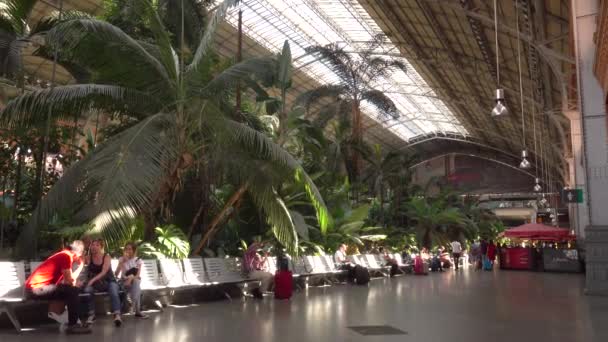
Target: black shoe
pixel 257 293
pixel 117 321
pixel 77 330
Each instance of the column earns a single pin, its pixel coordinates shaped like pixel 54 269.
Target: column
pixel 594 144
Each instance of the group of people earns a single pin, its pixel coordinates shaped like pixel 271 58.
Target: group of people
pixel 484 252
pixel 79 269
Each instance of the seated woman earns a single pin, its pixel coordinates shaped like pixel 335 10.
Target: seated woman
pixel 101 279
pixel 255 267
pixel 128 271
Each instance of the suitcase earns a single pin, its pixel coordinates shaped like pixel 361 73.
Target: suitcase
pixel 487 265
pixel 283 285
pixel 419 266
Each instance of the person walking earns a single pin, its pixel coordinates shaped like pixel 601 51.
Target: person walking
pixel 456 252
pixel 492 252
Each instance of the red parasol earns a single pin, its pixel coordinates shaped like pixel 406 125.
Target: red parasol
pixel 537 231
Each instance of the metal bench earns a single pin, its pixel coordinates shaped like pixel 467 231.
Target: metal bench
pixel 194 272
pixel 11 289
pixel 222 271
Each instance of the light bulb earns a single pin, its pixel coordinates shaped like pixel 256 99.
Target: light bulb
pixel 537 186
pixel 525 164
pixel 500 109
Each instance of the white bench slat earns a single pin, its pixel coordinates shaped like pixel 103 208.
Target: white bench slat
pixel 13 278
pixel 194 272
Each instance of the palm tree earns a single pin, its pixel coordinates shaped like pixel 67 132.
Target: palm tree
pixel 433 219
pixel 179 115
pixel 385 171
pixel 357 74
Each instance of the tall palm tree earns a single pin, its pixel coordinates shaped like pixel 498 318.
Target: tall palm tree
pixel 357 73
pixel 179 116
pixel 385 171
pixel 433 219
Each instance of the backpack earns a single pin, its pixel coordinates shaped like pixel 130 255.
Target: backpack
pixel 361 275
pixel 435 264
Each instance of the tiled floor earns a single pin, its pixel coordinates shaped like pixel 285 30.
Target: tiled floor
pixel 464 306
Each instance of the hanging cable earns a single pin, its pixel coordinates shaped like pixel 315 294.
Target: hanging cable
pixel 496 39
pixel 521 84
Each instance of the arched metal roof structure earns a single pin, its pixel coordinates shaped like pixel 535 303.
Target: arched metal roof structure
pixel 448 46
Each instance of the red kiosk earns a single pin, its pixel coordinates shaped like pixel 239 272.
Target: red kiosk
pixel 547 259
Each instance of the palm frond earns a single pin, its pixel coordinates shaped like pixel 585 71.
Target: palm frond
pixel 278 216
pixel 168 57
pixel 381 67
pixel 265 148
pixel 63 101
pixel 193 15
pixel 204 45
pixel 340 62
pixel 253 67
pixel 311 97
pixel 386 107
pixel 110 54
pixel 117 179
pixel 18 12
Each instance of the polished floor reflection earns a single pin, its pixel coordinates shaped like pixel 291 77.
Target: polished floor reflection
pixel 451 306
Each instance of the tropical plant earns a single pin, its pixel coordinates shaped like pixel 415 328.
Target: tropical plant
pixel 181 117
pixel 171 242
pixel 16 34
pixel 349 227
pixel 383 171
pixel 434 221
pixel 357 74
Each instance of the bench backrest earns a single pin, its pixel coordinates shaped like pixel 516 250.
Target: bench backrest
pixel 194 271
pixel 12 278
pixel 299 266
pixel 223 270
pixel 328 262
pixel 150 277
pixel 357 260
pixel 371 261
pixel 172 272
pixel 320 266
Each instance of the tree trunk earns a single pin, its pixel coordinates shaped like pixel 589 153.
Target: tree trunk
pixel 40 166
pixel 219 218
pixel 17 184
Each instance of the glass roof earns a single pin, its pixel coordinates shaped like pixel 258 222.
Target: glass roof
pixel 320 22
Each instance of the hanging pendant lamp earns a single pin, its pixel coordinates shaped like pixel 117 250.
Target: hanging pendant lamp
pixel 500 108
pixel 525 164
pixel 537 187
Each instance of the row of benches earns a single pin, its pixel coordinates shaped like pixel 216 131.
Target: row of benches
pixel 174 274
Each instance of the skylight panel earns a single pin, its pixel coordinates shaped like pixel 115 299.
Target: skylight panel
pixel 307 23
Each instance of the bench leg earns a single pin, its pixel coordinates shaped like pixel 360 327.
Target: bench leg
pixel 10 312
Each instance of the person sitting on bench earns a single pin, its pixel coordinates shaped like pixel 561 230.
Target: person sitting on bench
pixel 255 267
pixel 54 280
pixel 101 279
pixel 129 269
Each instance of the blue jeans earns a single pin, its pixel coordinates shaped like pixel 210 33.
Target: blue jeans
pixel 113 292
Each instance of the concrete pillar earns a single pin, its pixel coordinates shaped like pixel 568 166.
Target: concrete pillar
pixel 594 144
pixel 579 212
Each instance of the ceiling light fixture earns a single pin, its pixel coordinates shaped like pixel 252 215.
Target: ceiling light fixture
pixel 525 164
pixel 500 109
pixel 537 187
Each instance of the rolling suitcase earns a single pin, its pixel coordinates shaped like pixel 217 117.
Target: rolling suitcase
pixel 283 285
pixel 487 265
pixel 419 266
